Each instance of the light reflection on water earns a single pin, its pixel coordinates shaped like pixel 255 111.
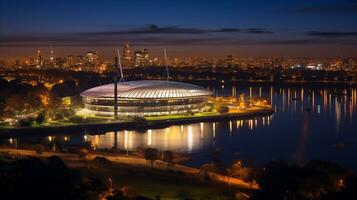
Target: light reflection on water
pixel 307 124
pixel 184 138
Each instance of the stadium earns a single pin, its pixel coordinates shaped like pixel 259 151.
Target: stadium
pixel 145 98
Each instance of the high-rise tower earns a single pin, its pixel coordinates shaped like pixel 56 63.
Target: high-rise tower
pixel 146 57
pixel 229 61
pixel 52 58
pixel 127 55
pixel 39 58
pixel 138 58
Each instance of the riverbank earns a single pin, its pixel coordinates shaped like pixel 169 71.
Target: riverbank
pixel 150 123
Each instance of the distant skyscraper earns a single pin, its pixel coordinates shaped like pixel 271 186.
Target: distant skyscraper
pixel 146 57
pixel 229 61
pixel 127 56
pixel 17 63
pixel 351 64
pixel 70 61
pixel 138 58
pixel 79 60
pixel 39 60
pixel 89 57
pixel 52 58
pixel 276 62
pixel 156 61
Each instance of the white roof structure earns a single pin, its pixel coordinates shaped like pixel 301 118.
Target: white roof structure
pixel 148 89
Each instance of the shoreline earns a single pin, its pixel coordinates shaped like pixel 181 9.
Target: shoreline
pixel 130 125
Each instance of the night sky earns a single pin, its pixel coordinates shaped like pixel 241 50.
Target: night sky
pixel 301 28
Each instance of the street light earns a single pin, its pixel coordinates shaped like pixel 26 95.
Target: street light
pixel 110 190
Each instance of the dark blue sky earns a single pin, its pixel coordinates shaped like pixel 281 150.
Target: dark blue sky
pixel 310 28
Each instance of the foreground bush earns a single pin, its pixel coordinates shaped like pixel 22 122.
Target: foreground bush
pixel 80 119
pixel 317 180
pixel 26 122
pixel 33 178
pixel 39 148
pixel 221 108
pixel 76 119
pixel 101 161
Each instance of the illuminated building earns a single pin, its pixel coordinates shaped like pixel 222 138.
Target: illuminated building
pixel 70 61
pixel 138 58
pixel 146 57
pixel 229 61
pixel 156 61
pixel 146 98
pixel 79 60
pixel 52 59
pixel 127 56
pixel 90 57
pixel 141 58
pixel 351 64
pixel 39 61
pixel 91 61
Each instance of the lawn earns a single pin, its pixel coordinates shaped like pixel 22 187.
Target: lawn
pixel 167 184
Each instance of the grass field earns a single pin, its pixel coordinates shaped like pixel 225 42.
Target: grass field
pixel 167 184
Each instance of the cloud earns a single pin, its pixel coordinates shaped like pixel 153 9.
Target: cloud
pixel 330 8
pixel 153 40
pixel 155 29
pixel 151 29
pixel 293 42
pixel 148 35
pixel 229 30
pixel 334 34
pixel 258 31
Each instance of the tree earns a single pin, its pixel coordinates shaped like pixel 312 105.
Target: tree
pixel 221 108
pixel 117 195
pixel 151 154
pixel 39 148
pixel 139 120
pixel 128 192
pixel 101 161
pixel 26 122
pixel 168 157
pixel 40 117
pixel 67 88
pixel 83 152
pixel 34 178
pixel 313 181
pixel 55 162
pixel 216 165
pixel 238 170
pixel 14 103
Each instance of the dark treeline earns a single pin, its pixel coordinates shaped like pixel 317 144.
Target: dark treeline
pixel 86 80
pixel 317 180
pixel 33 178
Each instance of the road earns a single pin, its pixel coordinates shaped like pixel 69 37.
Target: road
pixel 134 161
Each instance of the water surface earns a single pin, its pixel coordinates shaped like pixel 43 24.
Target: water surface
pixel 307 124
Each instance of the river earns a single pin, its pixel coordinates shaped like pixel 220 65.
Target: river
pixel 308 123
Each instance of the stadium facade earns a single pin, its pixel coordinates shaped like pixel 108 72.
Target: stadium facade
pixel 146 98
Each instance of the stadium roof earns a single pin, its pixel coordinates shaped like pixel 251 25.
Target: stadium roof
pixel 148 89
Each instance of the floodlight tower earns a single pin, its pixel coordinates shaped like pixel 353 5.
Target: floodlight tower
pixel 116 88
pixel 120 67
pixel 167 68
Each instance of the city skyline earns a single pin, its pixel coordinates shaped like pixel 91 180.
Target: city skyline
pixel 200 28
pixel 178 99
